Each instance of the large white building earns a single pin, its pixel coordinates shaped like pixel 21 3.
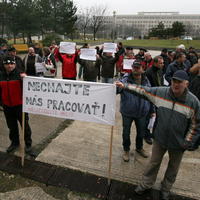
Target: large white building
pixel 144 21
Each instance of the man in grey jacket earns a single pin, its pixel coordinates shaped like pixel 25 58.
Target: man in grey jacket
pixel 176 129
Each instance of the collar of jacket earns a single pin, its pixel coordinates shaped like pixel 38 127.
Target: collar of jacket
pixel 132 80
pixel 178 64
pixel 180 99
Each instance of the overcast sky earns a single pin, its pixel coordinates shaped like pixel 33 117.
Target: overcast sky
pixel 134 6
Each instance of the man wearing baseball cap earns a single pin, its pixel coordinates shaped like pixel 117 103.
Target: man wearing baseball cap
pixel 11 94
pixel 177 128
pixel 133 108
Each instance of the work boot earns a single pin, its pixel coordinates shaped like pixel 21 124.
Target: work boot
pixel 148 141
pixel 126 156
pixel 12 148
pixel 140 190
pixel 142 153
pixel 164 195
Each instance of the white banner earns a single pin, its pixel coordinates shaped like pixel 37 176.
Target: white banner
pixel 127 63
pixel 78 100
pixel 67 47
pixel 110 47
pixel 88 54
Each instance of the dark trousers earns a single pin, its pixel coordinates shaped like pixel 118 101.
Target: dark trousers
pixel 151 171
pixel 14 115
pixel 140 129
pixel 74 78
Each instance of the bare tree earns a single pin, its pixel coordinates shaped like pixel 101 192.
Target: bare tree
pixel 83 21
pixel 97 18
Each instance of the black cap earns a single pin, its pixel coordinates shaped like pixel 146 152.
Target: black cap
pixel 11 49
pixel 180 75
pixel 170 51
pixel 137 63
pixel 165 50
pixel 8 60
pixel 142 49
pixel 129 48
pixel 191 48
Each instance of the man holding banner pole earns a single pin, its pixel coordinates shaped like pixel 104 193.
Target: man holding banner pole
pixel 11 94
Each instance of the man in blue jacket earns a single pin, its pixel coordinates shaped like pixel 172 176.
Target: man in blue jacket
pixel 133 108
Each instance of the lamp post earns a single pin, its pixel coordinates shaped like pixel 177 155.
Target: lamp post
pixel 114 26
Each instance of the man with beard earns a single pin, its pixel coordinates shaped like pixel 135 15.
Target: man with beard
pixel 29 62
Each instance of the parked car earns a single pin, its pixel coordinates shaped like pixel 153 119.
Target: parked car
pixel 187 38
pixel 130 38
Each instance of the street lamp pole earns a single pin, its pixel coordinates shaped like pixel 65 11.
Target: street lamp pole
pixel 114 25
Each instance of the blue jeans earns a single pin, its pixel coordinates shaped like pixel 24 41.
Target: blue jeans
pixel 107 80
pixel 140 130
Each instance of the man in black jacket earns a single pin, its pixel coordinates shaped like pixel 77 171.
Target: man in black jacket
pixel 155 77
pixel 11 93
pixel 155 73
pixel 108 66
pixel 164 55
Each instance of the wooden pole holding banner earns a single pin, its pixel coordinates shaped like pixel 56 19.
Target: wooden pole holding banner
pixel 22 139
pixel 110 155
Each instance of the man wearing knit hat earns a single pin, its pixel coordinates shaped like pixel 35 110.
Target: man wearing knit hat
pixel 11 94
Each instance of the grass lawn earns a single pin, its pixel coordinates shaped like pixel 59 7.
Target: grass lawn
pixel 150 43
pixel 141 43
pixel 162 43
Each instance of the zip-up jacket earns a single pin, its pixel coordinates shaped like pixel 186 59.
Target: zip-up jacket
pixel 11 88
pixel 68 64
pixel 132 105
pixel 178 119
pixel 90 68
pixel 108 65
pixel 155 76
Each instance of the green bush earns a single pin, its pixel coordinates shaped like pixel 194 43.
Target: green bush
pixel 50 38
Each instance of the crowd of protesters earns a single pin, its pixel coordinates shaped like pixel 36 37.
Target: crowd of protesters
pixel 177 110
pixel 147 90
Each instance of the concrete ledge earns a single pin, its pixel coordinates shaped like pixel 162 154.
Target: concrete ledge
pixel 74 180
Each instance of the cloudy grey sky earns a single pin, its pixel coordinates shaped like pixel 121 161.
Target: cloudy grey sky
pixel 134 6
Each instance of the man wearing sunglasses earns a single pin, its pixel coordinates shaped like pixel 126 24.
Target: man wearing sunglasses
pixel 11 95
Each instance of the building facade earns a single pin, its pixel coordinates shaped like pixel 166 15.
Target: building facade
pixel 142 22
